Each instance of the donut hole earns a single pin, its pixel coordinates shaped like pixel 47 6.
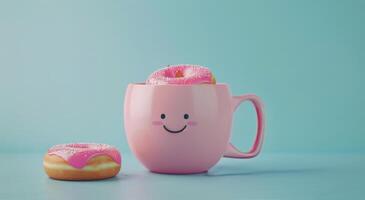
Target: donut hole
pixel 179 74
pixel 174 72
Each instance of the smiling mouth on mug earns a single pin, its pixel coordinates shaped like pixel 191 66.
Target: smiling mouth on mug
pixel 173 131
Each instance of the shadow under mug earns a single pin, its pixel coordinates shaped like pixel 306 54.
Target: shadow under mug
pixel 184 129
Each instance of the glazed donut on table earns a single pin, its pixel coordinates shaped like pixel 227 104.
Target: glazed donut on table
pixel 82 161
pixel 182 74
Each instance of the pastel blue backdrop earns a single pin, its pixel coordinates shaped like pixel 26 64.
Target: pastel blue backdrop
pixel 64 67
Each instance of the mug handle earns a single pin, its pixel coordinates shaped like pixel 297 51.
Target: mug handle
pixel 232 151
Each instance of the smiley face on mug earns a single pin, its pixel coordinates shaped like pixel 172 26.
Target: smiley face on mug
pixel 185 122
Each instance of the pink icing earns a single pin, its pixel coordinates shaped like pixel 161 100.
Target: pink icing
pixel 182 75
pixel 78 154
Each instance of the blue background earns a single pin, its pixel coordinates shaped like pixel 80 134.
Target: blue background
pixel 64 67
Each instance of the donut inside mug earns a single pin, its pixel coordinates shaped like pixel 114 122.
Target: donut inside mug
pixel 183 74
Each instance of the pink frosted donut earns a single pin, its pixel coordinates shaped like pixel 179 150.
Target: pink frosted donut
pixel 82 161
pixel 181 75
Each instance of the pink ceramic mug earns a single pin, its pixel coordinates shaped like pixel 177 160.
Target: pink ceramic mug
pixel 183 129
